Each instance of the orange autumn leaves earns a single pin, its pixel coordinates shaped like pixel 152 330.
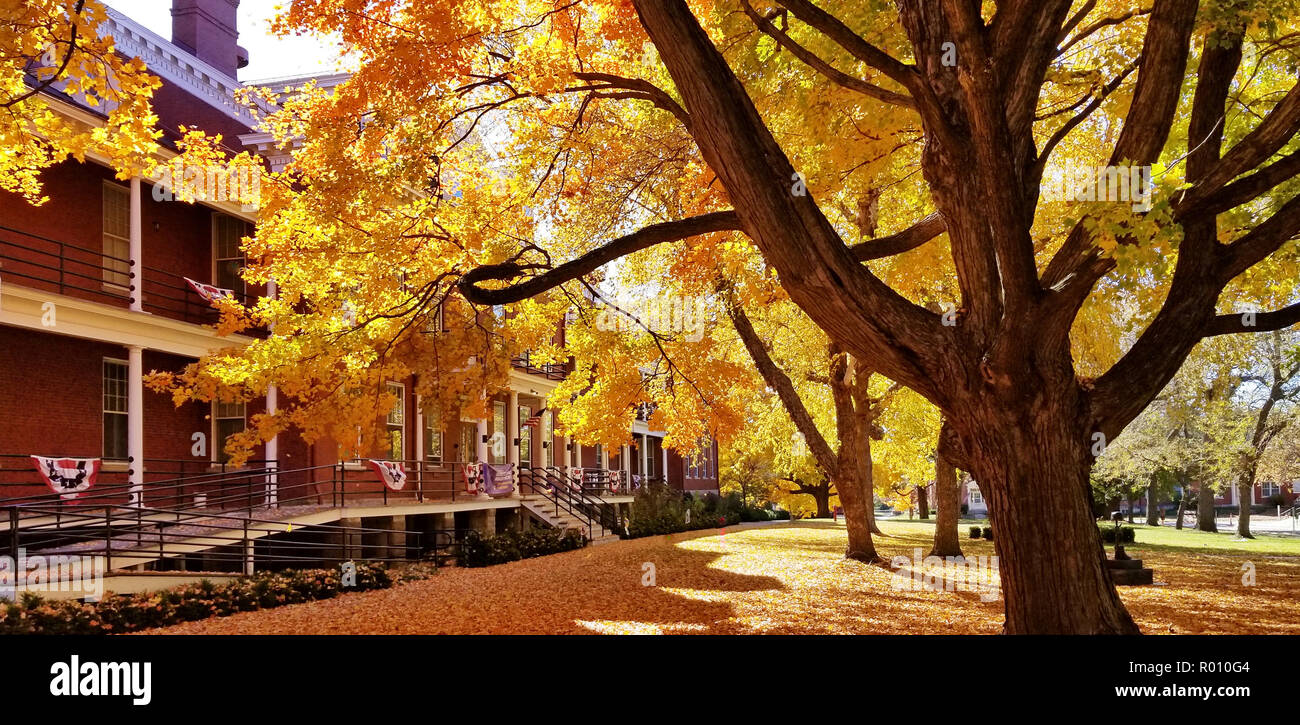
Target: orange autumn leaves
pixel 771 579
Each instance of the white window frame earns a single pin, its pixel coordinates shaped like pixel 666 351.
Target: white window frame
pixel 218 446
pixel 103 399
pixel 1264 489
pixel 525 435
pixel 399 410
pixel 242 287
pixel 433 432
pixel 976 496
pixel 115 279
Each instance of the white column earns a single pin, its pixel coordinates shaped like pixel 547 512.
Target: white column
pixel 419 443
pixel 604 457
pixel 137 247
pixel 513 433
pixel 577 454
pixel 419 429
pixel 567 459
pixel 480 443
pixel 135 423
pixel 625 462
pixel 664 470
pixel 273 450
pixel 482 453
pixel 273 445
pixel 512 428
pixel 645 457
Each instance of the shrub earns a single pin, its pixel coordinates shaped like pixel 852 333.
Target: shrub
pixel 1127 534
pixel 988 533
pixel 479 549
pixel 975 532
pixel 116 614
pixel 780 515
pixel 965 509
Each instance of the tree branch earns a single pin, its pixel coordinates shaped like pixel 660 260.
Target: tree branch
pixel 644 238
pixel 811 59
pixel 776 379
pixel 927 228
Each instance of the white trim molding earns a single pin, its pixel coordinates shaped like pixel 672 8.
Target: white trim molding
pixel 24 307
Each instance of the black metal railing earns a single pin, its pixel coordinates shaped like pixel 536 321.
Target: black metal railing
pixel 55 266
pixel 565 493
pixel 551 371
pixel 169 295
pixel 52 265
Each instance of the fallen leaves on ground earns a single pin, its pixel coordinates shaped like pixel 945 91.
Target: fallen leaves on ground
pixel 774 579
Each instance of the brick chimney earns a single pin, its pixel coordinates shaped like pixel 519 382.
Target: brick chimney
pixel 207 28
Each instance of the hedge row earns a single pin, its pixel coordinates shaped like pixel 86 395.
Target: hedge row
pixel 482 550
pixel 116 614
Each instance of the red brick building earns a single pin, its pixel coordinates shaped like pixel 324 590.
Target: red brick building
pixel 93 295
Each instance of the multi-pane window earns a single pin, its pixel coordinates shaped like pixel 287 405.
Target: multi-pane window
pixel 115 392
pixel 497 443
pixel 395 423
pixel 976 498
pixel 432 435
pixel 229 418
pixel 1268 489
pixel 525 438
pixel 468 442
pixel 117 236
pixel 227 231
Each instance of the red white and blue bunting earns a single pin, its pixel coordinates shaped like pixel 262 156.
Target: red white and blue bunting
pixel 392 473
pixel 68 477
pixel 210 293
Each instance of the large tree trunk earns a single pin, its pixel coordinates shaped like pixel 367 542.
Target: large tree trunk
pixel 1205 508
pixel 947 492
pixel 853 423
pixel 922 502
pixel 1243 508
pixel 1182 509
pixel 1153 506
pixel 857 516
pixel 822 496
pixel 1034 473
pixel 871 511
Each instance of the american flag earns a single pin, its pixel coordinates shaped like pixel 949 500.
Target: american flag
pixel 534 419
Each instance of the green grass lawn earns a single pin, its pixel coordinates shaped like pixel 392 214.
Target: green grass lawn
pixel 1167 538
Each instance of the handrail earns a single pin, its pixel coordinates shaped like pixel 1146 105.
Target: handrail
pixel 231 500
pixel 595 511
pixel 551 492
pixel 152 529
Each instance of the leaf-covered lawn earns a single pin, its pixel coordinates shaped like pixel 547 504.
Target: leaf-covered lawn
pixel 780 579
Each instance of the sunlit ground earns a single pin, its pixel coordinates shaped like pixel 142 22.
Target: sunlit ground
pixel 781 579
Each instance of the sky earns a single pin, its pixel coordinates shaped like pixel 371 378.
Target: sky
pixel 268 56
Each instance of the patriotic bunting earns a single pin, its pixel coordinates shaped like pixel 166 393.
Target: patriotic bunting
pixel 208 292
pixel 391 472
pixel 68 477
